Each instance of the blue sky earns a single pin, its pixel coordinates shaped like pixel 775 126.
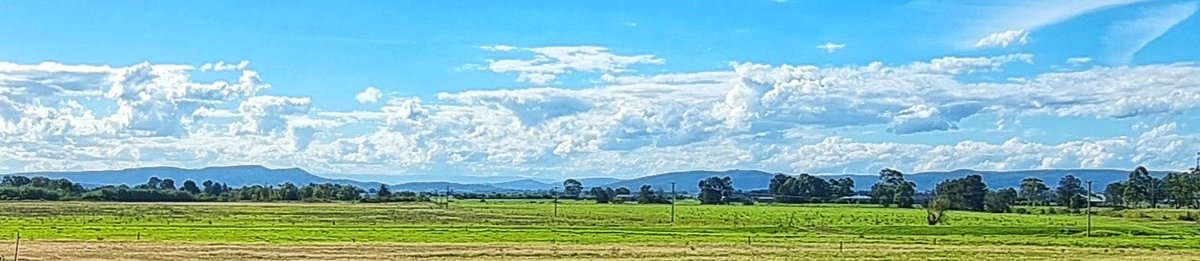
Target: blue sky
pixel 620 89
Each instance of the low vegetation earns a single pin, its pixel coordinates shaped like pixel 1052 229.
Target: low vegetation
pixel 532 223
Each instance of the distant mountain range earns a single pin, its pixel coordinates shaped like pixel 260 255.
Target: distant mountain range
pixel 685 181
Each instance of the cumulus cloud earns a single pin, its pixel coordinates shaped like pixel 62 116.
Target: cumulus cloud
pixel 831 47
pixel 147 99
pixel 548 63
pixel 369 95
pixel 773 117
pixel 1004 39
pixel 267 114
pixel 923 118
pixel 1125 38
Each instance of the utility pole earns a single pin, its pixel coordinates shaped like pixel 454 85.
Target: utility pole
pixel 1089 209
pixel 673 197
pixel 555 193
pixel 447 205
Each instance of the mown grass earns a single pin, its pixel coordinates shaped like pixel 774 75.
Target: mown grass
pixel 522 221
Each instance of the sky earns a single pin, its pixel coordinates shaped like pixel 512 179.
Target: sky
pixel 554 89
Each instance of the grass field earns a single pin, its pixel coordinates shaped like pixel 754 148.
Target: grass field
pixel 529 230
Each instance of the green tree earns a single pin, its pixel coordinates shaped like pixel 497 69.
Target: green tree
pixel 1183 188
pixel 1068 187
pixel 716 190
pixel 601 195
pixel 572 188
pixel 383 192
pixel 776 185
pixel 967 193
pixel 189 186
pixel 1113 193
pixel 624 191
pixel 1000 201
pixel 892 188
pixel 935 211
pixel 1033 190
pixel 167 184
pixel 1137 187
pixel 647 195
pixel 842 187
pixel 153 183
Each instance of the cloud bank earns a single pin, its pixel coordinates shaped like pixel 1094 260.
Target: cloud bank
pixel 776 117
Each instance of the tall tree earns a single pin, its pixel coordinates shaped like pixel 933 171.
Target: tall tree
pixel 716 190
pixel 1068 187
pixel 167 184
pixel 189 186
pixel 153 183
pixel 1000 201
pixel 1033 190
pixel 777 183
pixel 892 188
pixel 1137 188
pixel 572 188
pixel 1113 193
pixel 601 195
pixel 843 187
pixel 968 193
pixel 382 192
pixel 210 189
pixel 1183 188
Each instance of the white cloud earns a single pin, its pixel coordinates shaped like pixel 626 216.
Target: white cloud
pixel 548 63
pixel 268 114
pixel 146 99
pixel 1079 60
pixel 499 48
pixel 1125 38
pixel 831 47
pixel 772 117
pixel 222 66
pixel 369 95
pixel 980 19
pixel 958 65
pixel 923 118
pixel 1004 39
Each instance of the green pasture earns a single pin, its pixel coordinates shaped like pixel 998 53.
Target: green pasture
pixel 579 222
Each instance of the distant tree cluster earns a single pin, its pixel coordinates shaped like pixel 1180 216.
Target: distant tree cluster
pixel 805 188
pixel 716 190
pixel 648 195
pixel 38 188
pixel 1178 189
pixel 165 190
pixel 607 195
pixel 892 188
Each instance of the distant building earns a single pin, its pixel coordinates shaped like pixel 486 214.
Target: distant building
pixel 856 199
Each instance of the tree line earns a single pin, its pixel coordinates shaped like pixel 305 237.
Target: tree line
pixel 165 190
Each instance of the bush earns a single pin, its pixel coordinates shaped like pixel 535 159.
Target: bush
pixel 1187 217
pixel 1022 211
